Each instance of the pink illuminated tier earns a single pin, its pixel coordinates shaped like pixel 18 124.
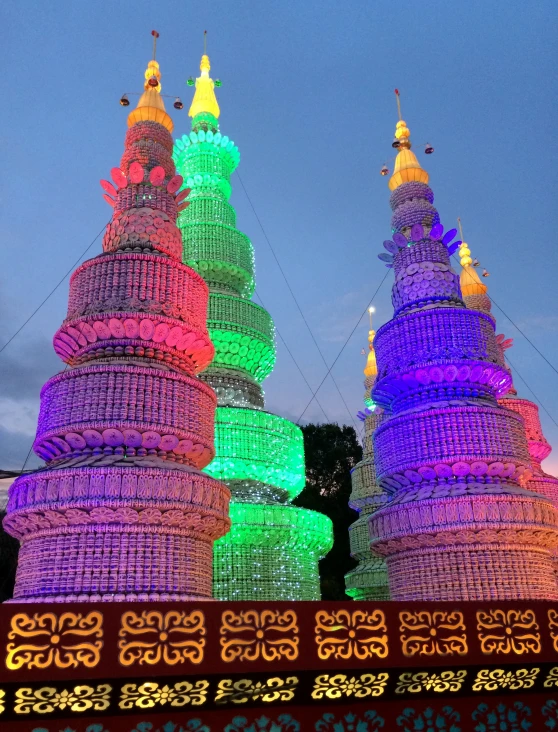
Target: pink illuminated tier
pixel 122 511
pixel 461 525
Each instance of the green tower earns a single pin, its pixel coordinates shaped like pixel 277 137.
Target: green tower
pixel 273 548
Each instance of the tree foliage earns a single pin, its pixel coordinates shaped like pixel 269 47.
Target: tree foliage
pixel 331 452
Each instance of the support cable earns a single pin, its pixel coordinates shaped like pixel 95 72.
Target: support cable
pixel 343 347
pixel 51 293
pixel 294 359
pixel 295 300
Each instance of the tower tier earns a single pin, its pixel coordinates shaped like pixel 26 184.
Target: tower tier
pixel 243 336
pixel 258 454
pixel 126 410
pixel 463 444
pixel 221 254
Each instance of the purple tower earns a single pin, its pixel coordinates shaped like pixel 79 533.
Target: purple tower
pixel 460 526
pixel 122 510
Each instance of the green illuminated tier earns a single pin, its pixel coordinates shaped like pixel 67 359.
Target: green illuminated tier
pixel 271 553
pixel 243 335
pixel 273 549
pixel 222 255
pixel 256 451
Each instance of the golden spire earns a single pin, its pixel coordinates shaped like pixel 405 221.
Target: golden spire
pixel 469 279
pixel 150 105
pixel 371 368
pixel 204 98
pixel 407 167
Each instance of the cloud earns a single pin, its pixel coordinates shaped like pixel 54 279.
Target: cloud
pixel 24 368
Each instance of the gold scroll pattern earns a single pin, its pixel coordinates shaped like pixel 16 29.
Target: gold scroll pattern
pixel 151 694
pixel 508 631
pixel 245 690
pixel 498 678
pixel 335 686
pixel 151 636
pixel 2 701
pixel 65 640
pixel 344 634
pixel 440 632
pixel 440 682
pixel 268 634
pixel 551 680
pixel 553 626
pixel 49 699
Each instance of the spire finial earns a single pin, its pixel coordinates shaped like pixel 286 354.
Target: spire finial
pixel 371 368
pixel 204 100
pixel 407 168
pixel 155 36
pixel 398 103
pixel 150 105
pixel 469 279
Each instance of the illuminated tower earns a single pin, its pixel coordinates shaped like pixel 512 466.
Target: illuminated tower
pixel 122 510
pixel 476 297
pixel 273 548
pixel 459 526
pixel 368 580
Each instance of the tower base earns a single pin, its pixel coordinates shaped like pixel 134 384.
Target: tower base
pixel 475 572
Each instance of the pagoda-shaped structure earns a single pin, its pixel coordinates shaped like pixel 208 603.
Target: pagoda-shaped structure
pixel 122 510
pixel 475 296
pixel 273 548
pixel 368 580
pixel 460 525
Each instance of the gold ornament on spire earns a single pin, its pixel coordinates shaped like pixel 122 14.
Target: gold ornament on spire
pixel 151 106
pixel 204 98
pixel 469 279
pixel 407 167
pixel 371 368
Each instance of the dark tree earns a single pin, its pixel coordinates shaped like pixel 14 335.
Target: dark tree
pixel 331 452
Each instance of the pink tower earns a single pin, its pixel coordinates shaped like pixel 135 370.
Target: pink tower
pixel 475 297
pixel 460 525
pixel 122 510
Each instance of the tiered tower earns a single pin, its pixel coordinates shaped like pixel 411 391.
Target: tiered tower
pixel 476 297
pixel 273 548
pixel 460 526
pixel 368 580
pixel 122 510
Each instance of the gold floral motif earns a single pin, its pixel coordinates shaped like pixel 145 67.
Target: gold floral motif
pixel 340 685
pixel 244 690
pixel 150 636
pixel 424 681
pixel 150 694
pixel 552 678
pixel 2 705
pixel 48 699
pixel 508 631
pixel 351 633
pixel 441 632
pixel 251 634
pixel 553 625
pixel 56 639
pixel 498 678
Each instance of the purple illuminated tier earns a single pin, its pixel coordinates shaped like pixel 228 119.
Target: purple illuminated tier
pixel 461 524
pixel 122 510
